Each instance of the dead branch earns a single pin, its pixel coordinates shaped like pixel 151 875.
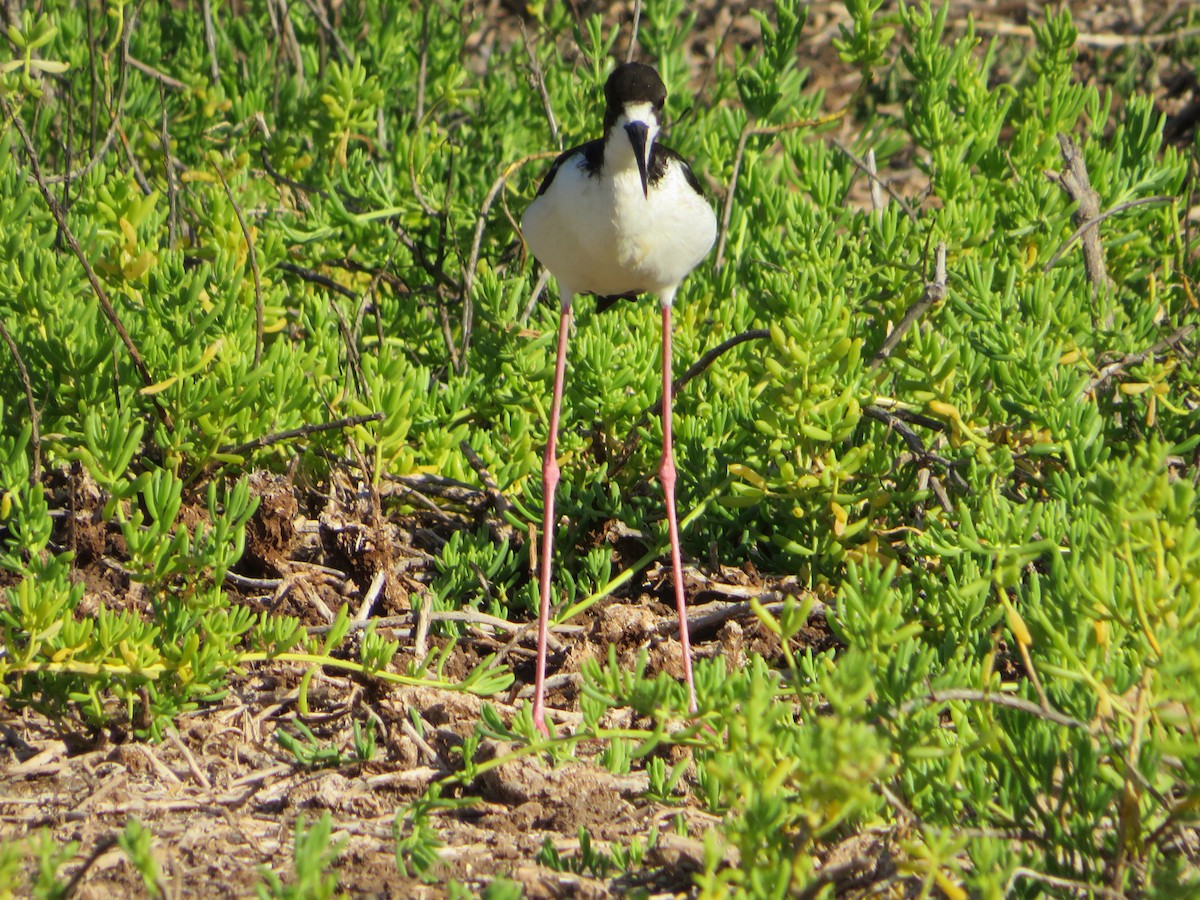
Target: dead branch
pixel 60 219
pixel 1171 342
pixel 876 181
pixel 1096 220
pixel 253 257
pixel 1077 186
pixel 35 419
pixel 750 131
pixel 934 292
pixel 303 431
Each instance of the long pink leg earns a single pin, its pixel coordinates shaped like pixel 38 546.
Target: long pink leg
pixel 549 485
pixel 666 473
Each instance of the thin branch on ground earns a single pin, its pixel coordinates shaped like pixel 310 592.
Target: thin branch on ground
pixel 162 77
pixel 317 278
pixel 103 845
pixel 1008 701
pixel 422 65
pixel 1081 888
pixel 539 81
pixel 499 502
pixel 704 619
pixel 60 218
pixel 373 590
pixel 1171 342
pixel 876 181
pixel 210 41
pixel 1096 220
pixel 1100 41
pixel 303 431
pixel 252 255
pixel 35 419
pixel 893 419
pixel 748 132
pixel 477 241
pixel 677 385
pixel 327 27
pixel 169 175
pixel 118 109
pixel 538 287
pixel 699 366
pixel 935 292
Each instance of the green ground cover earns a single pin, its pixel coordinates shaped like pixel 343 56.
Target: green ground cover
pixel 280 224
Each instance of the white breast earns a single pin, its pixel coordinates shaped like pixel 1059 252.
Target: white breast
pixel 601 235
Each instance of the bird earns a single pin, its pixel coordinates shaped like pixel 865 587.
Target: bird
pixel 617 217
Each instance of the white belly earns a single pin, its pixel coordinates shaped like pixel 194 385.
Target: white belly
pixel 601 235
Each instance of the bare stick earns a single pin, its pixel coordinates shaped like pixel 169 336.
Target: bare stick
pixel 1132 359
pixel 707 359
pixel 633 38
pixel 323 21
pixel 60 218
pixel 501 503
pixel 1096 220
pixel 534 296
pixel 210 39
pixel 169 175
pixel 693 370
pixel 372 594
pixel 876 181
pixel 146 69
pixel 1102 40
pixel 539 81
pixel 934 292
pixel 35 474
pixel 1075 183
pixel 422 66
pixel 118 109
pixel 1009 701
pixel 878 204
pixel 103 845
pixel 303 431
pixel 477 242
pixel 317 278
pixel 253 257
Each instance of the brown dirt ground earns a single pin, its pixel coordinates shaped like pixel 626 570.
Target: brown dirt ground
pixel 222 797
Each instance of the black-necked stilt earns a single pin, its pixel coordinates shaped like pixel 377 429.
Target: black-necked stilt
pixel 618 217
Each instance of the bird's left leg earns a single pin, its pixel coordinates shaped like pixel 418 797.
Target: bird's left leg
pixel 666 473
pixel 549 487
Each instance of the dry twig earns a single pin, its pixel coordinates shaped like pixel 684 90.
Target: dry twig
pixel 35 419
pixel 934 292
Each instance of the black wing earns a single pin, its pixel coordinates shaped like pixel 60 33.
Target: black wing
pixel 593 157
pixel 661 156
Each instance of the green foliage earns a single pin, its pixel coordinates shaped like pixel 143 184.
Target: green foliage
pixel 49 857
pixel 999 512
pixel 417 840
pixel 135 840
pixel 313 856
pixel 594 861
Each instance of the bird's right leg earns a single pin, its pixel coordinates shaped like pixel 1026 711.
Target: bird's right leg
pixel 549 485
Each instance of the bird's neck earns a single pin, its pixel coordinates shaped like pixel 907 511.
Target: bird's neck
pixel 618 151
